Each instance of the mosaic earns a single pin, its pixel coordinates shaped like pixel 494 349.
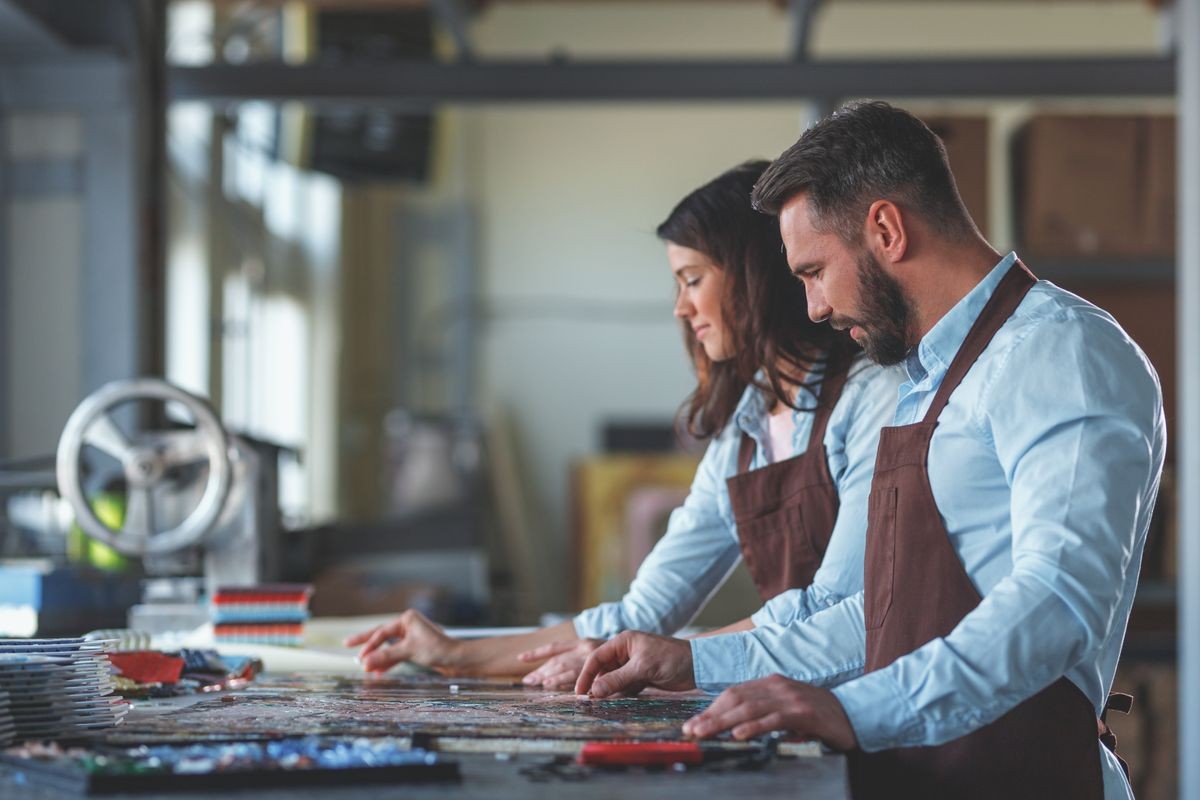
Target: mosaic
pixel 278 707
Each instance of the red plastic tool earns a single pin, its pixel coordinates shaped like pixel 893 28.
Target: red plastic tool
pixel 640 754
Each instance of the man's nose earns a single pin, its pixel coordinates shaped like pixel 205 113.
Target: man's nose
pixel 818 309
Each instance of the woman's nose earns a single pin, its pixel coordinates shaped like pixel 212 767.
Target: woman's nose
pixel 683 307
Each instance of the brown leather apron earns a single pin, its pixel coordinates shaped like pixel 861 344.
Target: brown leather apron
pixel 916 590
pixel 785 511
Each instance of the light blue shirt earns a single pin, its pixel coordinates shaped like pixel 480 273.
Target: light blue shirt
pixel 700 548
pixel 1045 466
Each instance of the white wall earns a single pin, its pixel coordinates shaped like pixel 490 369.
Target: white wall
pixel 569 200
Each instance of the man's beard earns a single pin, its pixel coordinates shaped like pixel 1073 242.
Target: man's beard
pixel 886 316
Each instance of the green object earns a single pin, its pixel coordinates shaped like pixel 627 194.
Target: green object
pixel 109 508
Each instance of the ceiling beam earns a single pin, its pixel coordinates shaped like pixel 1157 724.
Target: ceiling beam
pixel 428 84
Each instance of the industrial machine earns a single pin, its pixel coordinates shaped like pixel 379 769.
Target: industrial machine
pixel 198 500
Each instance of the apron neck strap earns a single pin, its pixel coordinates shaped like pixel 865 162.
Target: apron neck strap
pixel 745 453
pixel 836 373
pixel 831 389
pixel 1009 293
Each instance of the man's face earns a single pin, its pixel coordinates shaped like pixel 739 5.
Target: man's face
pixel 848 288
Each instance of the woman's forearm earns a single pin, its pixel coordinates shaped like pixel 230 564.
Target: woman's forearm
pixel 497 655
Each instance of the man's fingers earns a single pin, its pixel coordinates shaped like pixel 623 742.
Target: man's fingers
pixel 604 658
pixel 626 681
pixel 725 701
pixel 757 727
pixel 722 716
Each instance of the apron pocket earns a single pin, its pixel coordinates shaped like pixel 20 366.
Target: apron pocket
pixel 778 552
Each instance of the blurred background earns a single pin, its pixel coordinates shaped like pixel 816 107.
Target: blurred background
pixel 405 249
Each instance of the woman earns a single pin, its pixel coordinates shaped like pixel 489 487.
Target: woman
pixel 793 416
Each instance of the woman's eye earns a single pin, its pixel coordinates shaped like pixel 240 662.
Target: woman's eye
pixel 690 282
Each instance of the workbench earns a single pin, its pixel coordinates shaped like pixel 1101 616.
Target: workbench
pixel 507 741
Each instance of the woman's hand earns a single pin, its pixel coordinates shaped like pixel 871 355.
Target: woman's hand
pixel 409 637
pixel 566 659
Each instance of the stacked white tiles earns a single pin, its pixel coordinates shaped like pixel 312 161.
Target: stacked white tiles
pixel 56 689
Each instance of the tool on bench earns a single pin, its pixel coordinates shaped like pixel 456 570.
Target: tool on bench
pixel 650 754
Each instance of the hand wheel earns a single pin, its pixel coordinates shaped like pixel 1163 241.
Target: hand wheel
pixel 147 459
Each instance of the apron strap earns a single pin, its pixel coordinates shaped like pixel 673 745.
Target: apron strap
pixel 745 454
pixel 831 391
pixel 1004 301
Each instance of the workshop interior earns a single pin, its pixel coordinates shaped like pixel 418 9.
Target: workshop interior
pixel 316 311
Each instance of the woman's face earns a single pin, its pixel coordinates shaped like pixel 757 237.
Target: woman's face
pixel 701 286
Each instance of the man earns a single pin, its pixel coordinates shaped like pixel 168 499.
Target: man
pixel 1007 516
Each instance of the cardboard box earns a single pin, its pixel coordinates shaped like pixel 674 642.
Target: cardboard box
pixel 966 141
pixel 1161 190
pixel 1099 187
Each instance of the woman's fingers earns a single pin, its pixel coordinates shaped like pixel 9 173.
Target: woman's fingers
pixel 550 650
pixel 358 638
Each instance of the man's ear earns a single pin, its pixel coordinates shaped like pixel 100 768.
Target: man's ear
pixel 887 232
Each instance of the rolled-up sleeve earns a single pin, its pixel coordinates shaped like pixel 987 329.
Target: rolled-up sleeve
pixel 825 649
pixel 687 565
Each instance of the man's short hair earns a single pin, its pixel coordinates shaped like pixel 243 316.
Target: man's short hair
pixel 864 152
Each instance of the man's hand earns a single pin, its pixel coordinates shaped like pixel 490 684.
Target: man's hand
pixel 409 637
pixel 632 661
pixel 775 704
pixel 566 660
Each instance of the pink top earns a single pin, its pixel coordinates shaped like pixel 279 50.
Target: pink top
pixel 781 429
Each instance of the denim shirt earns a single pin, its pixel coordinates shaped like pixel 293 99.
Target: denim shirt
pixel 1045 466
pixel 700 548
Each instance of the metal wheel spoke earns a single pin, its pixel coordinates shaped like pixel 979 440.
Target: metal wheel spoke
pixel 139 514
pixel 180 448
pixel 104 434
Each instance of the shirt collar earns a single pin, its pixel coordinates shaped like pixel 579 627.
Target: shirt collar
pixel 936 350
pixel 750 414
pixel 750 411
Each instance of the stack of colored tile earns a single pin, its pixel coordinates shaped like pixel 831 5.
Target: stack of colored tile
pixel 55 688
pixel 270 613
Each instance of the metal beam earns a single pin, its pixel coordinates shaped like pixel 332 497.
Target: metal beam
pixel 453 17
pixel 1188 360
pixel 427 84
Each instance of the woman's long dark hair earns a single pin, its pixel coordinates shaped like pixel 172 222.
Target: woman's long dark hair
pixel 764 309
